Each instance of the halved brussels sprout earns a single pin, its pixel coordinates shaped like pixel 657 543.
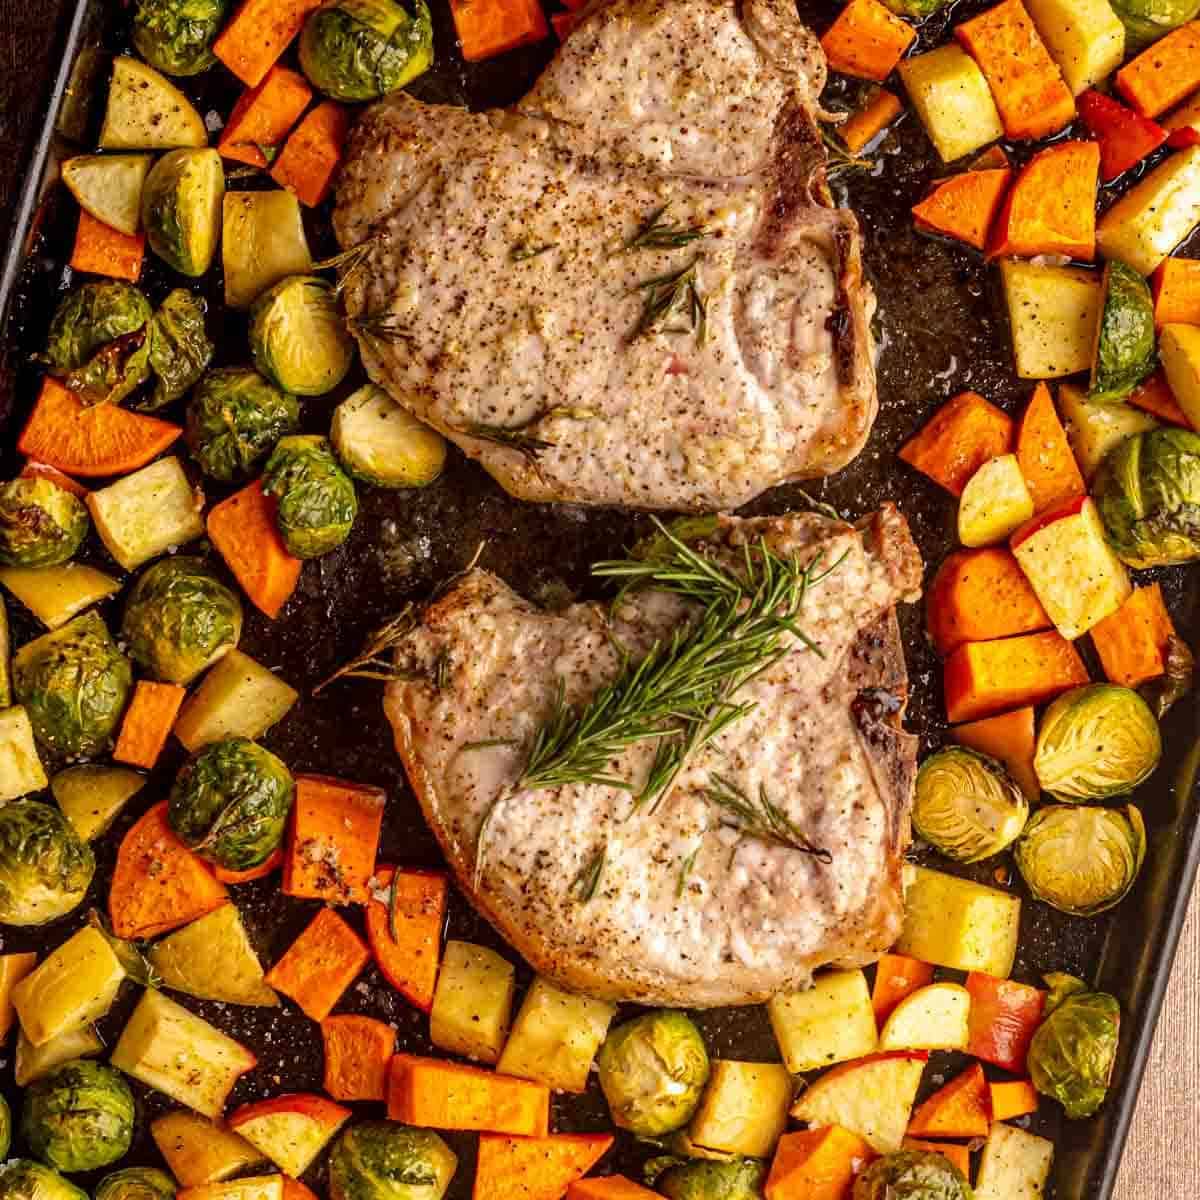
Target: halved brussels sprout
pixel 181 208
pixel 967 805
pixel 1079 859
pixel 45 869
pixel 179 619
pixel 316 499
pixel 74 683
pixel 363 49
pixel 912 1175
pixel 298 337
pixel 234 419
pixel 1126 350
pixel 707 1178
pixel 1146 21
pixel 1148 492
pixel 383 1160
pixel 1072 1054
pixel 1096 741
pixel 41 524
pixel 23 1179
pixel 230 803
pixel 79 1116
pixel 136 1183
pixel 383 444
pixel 176 35
pixel 652 1071
pixel 179 347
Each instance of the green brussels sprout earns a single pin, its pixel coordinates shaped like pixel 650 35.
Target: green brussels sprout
pixel 298 338
pixel 74 683
pixel 1146 21
pixel 1072 1054
pixel 1148 493
pixel 234 419
pixel 707 1178
pixel 1082 860
pixel 1126 349
pixel 317 502
pixel 181 208
pixel 175 36
pixel 79 1116
pixel 383 1160
pixel 912 1175
pixel 179 347
pixel 136 1183
pixel 967 805
pixel 362 49
pixel 41 524
pixel 230 803
pixel 179 619
pixel 45 867
pixel 652 1071
pixel 23 1179
pixel 384 445
pixel 1096 741
pixel 916 10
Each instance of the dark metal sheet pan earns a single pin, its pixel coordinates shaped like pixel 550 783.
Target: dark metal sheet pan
pixel 942 329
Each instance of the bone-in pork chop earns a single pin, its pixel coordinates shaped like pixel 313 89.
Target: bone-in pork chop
pixel 509 294
pixel 677 902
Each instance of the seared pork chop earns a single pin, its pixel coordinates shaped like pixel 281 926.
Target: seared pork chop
pixel 676 903
pixel 509 294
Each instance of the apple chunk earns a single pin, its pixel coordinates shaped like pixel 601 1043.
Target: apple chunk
pixel 931 1018
pixel 290 1130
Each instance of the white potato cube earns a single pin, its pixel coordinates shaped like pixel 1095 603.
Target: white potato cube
pixel 833 1021
pixel 1095 429
pixel 1053 313
pixel 473 1002
pixel 237 698
pixel 21 770
pixel 953 100
pixel 1085 37
pixel 56 594
pixel 1179 346
pixel 1015 1165
pixel 147 513
pixel 995 502
pixel 744 1108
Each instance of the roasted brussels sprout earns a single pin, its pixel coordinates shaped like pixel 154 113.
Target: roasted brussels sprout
pixel 298 337
pixel 1148 492
pixel 317 503
pixel 41 524
pixel 382 444
pixel 363 49
pixel 79 1116
pixel 230 803
pixel 1179 671
pixel 23 1179
pixel 382 1160
pixel 234 418
pixel 652 1071
pixel 1146 21
pixel 1126 350
pixel 179 619
pixel 179 347
pixel 45 868
pixel 136 1183
pixel 175 35
pixel 967 805
pixel 1096 741
pixel 181 208
pixel 1072 1054
pixel 707 1178
pixel 1080 859
pixel 912 1175
pixel 916 10
pixel 74 683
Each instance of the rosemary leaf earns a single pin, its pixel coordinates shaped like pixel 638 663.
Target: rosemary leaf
pixel 350 262
pixel 673 304
pixel 760 817
pixel 383 326
pixel 586 882
pixel 524 251
pixel 684 871
pixel 514 437
pixel 487 743
pixel 656 234
pixel 442 666
pixel 369 663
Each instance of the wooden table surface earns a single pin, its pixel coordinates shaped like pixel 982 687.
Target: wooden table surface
pixel 1162 1159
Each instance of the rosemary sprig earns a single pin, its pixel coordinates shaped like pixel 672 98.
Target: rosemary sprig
pixel 684 871
pixel 384 326
pixel 487 744
pixel 350 262
pixel 524 251
pixel 586 882
pixel 515 437
pixel 370 662
pixel 656 234
pixel 760 817
pixel 843 160
pixel 673 304
pixel 442 666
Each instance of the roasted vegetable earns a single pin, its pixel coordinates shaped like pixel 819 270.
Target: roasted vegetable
pixel 79 1116
pixel 230 803
pixel 41 524
pixel 1146 21
pixel 1125 346
pixel 32 1062
pixel 181 208
pixel 234 419
pixel 74 683
pixel 652 1071
pixel 1072 1054
pixel 109 187
pixel 1148 493
pixel 175 35
pixel 383 1160
pixel 316 498
pixel 707 1178
pixel 21 770
pixel 136 1183
pixel 179 347
pixel 1081 859
pixel 298 337
pixel 179 619
pixel 23 1179
pixel 382 444
pixel 91 796
pixel 45 869
pixel 147 112
pixel 912 1175
pixel 916 10
pixel 363 49
pixel 262 241
pixel 967 805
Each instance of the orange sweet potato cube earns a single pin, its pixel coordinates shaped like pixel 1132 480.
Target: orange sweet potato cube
pixel 867 40
pixel 817 1164
pixel 959 438
pixel 1132 641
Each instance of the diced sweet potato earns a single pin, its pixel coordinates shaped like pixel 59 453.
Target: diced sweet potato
pixel 1013 1098
pixel 880 110
pixel 960 437
pixel 817 1164
pixel 1177 292
pixel 964 206
pixel 1155 397
pixel 897 976
pixel 263 115
pixel 1132 642
pixel 979 595
pixel 102 250
pixel 309 159
pixel 1164 73
pixel 1009 738
pixel 959 1109
pixel 867 40
pixel 1047 462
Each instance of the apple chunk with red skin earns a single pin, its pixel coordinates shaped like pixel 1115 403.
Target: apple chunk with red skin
pixel 290 1130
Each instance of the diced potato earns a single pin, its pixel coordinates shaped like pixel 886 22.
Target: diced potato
pixel 473 1002
pixel 1179 347
pixel 994 503
pixel 147 112
pixel 147 513
pixel 830 1023
pixel 953 100
pixel 180 1054
pixel 13 968
pixel 1085 37
pixel 35 1061
pixel 744 1108
pixel 1015 1165
pixel 956 923
pixel 72 986
pixel 1053 313
pixel 91 796
pixel 555 1037
pixel 1155 215
pixel 109 186
pixel 1075 572
pixel 1095 429
pixel 931 1018
pixel 198 1151
pixel 237 698
pixel 56 594
pixel 21 770
pixel 262 240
